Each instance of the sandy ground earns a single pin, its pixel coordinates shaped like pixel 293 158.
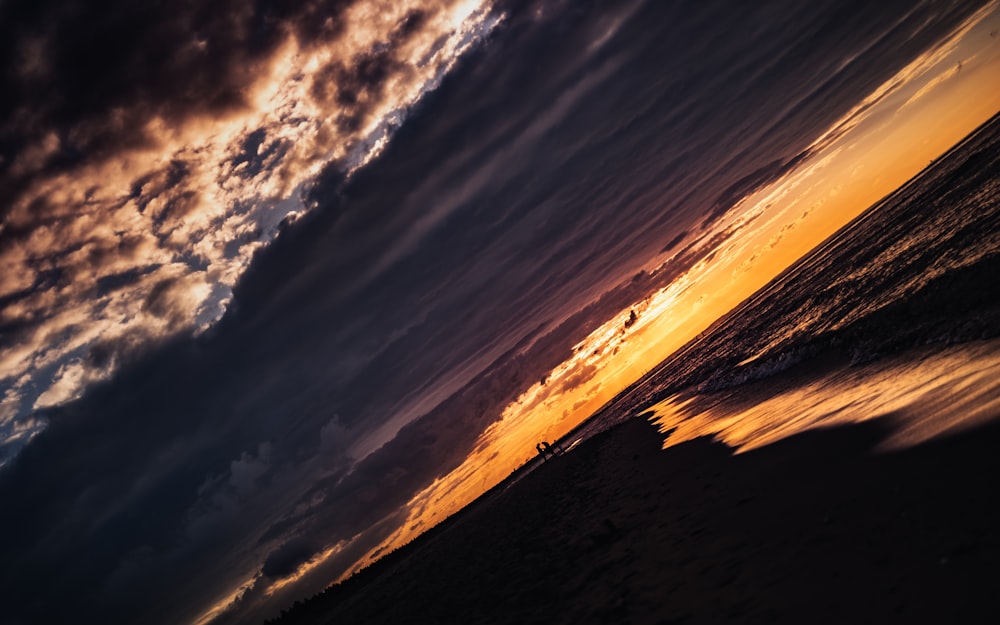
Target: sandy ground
pixel 813 529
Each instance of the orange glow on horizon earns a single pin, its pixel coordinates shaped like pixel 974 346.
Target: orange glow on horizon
pixel 912 119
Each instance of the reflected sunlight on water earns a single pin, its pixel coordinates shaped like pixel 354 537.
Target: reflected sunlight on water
pixel 889 138
pixel 921 396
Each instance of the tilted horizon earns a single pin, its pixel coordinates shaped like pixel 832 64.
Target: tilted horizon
pixel 285 286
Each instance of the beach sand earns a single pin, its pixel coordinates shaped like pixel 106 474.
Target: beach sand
pixel 815 528
pixel 887 329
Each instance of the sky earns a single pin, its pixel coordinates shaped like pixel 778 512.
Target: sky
pixel 284 284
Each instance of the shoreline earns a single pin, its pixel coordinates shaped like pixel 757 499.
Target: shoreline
pixel 818 527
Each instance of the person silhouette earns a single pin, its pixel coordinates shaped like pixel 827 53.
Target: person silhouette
pixel 541 451
pixel 548 448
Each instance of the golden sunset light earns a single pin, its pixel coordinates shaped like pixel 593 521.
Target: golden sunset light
pixel 905 128
pixel 499 311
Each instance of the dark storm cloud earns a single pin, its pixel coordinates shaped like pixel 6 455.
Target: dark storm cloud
pixel 284 560
pixel 94 77
pixel 372 343
pixel 177 137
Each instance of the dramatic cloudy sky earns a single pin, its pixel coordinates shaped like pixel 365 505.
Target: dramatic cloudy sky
pixel 281 284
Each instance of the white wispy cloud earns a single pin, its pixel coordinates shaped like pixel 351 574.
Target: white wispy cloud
pixel 145 240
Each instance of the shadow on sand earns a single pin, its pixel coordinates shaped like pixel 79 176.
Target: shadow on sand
pixel 815 528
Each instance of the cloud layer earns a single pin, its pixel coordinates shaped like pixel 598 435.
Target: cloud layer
pixel 148 151
pixel 368 347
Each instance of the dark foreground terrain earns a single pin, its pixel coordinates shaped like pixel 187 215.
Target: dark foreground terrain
pixel 817 528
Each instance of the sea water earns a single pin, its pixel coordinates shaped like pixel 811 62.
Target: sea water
pixel 894 317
